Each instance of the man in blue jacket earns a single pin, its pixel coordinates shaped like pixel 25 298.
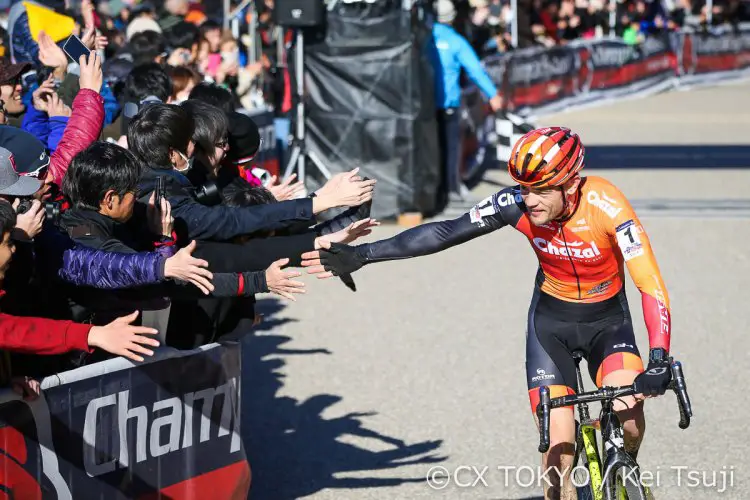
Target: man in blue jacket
pixel 451 53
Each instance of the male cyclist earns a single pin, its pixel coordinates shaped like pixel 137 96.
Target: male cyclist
pixel 583 230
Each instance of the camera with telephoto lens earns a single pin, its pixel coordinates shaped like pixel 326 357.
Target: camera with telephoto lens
pixel 51 209
pixel 208 194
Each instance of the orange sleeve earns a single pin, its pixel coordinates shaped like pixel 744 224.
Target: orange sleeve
pixel 628 234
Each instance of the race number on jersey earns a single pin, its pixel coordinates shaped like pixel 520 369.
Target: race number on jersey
pixel 628 240
pixel 485 208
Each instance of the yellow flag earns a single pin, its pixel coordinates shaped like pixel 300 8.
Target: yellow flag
pixel 44 19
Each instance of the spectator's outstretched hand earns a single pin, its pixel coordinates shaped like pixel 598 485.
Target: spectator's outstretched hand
pixel 183 266
pixel 280 282
pixel 285 190
pixel 344 190
pixel 350 233
pixel 93 41
pixel 123 339
pixel 50 54
pixel 91 72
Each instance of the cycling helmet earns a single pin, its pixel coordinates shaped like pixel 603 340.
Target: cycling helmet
pixel 546 157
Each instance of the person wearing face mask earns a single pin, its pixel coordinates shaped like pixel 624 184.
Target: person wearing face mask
pixel 210 136
pixel 161 136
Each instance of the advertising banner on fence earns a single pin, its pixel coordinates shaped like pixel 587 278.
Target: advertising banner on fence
pixel 163 429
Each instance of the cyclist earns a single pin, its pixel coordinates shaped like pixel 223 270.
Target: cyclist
pixel 583 230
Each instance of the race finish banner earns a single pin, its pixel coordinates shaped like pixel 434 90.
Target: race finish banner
pixel 163 429
pixel 540 81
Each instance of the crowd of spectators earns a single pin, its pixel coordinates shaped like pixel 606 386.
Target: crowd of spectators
pixel 488 23
pixel 131 212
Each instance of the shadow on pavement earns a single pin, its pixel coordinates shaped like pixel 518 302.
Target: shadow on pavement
pixel 294 451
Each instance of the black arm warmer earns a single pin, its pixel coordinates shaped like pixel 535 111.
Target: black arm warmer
pixel 426 239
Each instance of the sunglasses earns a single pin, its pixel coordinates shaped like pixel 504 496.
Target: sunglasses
pixel 40 173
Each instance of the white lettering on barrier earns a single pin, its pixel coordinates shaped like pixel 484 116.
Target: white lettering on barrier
pixel 179 416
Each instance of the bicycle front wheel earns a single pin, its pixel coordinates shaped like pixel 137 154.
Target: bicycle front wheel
pixel 625 484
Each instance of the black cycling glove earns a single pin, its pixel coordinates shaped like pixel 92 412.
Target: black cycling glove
pixel 341 259
pixel 655 380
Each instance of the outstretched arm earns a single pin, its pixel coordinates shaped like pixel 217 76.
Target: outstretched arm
pixel 422 240
pixel 485 217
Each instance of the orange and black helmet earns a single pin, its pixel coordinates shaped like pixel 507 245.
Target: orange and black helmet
pixel 546 157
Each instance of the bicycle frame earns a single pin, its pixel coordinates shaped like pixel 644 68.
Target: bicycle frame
pixel 604 481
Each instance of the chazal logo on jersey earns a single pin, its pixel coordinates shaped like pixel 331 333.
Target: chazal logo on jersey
pixel 509 198
pixel 628 240
pixel 573 249
pixel 604 203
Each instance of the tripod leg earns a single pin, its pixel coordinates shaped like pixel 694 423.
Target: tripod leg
pixel 318 163
pixel 301 169
pixel 292 161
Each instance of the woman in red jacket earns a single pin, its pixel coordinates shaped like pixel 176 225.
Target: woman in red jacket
pixel 47 336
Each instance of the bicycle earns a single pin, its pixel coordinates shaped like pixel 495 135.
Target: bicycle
pixel 607 485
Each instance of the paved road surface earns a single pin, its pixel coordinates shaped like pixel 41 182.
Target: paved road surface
pixel 358 395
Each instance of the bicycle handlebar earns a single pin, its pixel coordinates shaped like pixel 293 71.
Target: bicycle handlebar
pixel 680 388
pixel 546 404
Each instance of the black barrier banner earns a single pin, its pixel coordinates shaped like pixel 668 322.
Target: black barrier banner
pixel 167 429
pixel 540 80
pixel 706 56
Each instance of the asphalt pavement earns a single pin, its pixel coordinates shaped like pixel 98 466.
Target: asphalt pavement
pixel 420 372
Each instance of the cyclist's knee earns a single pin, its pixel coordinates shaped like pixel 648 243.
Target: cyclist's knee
pixel 562 434
pixel 562 430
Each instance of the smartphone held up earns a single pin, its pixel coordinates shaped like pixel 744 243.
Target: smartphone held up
pixel 75 48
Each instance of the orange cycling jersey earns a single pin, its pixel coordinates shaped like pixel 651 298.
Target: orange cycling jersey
pixel 581 260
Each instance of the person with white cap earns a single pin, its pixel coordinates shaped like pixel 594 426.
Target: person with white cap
pixel 452 53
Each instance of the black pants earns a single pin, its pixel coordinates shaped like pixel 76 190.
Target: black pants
pixel 448 128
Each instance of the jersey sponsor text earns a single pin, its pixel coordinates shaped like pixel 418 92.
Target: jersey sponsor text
pixel 571 249
pixel 604 203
